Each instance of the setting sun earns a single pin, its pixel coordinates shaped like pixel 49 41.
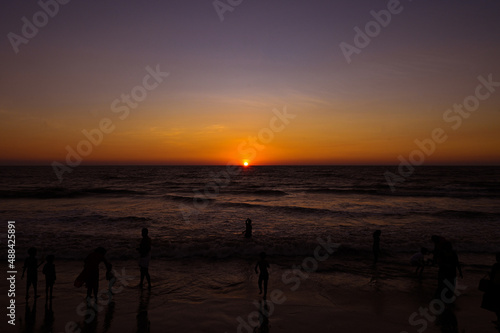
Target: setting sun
pixel 245 163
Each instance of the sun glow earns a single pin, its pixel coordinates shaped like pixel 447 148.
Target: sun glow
pixel 245 163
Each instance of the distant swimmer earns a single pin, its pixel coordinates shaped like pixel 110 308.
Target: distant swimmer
pixel 262 265
pixel 248 228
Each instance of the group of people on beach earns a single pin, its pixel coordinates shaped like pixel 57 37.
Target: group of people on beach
pixel 31 268
pixel 448 264
pixel 90 273
pixel 443 255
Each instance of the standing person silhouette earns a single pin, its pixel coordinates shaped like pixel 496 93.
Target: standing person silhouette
pixel 262 265
pixel 376 245
pixel 49 270
pixel 145 257
pixel 248 228
pixel 91 269
pixel 31 265
pixel 447 273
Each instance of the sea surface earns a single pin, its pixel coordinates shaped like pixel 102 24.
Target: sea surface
pixel 199 211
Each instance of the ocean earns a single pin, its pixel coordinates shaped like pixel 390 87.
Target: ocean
pixel 199 211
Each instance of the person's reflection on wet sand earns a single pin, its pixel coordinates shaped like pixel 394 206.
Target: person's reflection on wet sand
pixel 48 319
pixel 30 317
pixel 108 317
pixel 448 321
pixel 263 318
pixel 90 320
pixel 143 323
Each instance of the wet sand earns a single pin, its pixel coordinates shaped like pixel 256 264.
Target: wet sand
pixel 204 295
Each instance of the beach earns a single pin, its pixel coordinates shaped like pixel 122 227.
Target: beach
pixel 343 294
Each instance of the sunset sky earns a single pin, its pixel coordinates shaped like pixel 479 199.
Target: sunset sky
pixel 225 78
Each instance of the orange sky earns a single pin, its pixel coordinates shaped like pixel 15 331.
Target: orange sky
pixel 226 78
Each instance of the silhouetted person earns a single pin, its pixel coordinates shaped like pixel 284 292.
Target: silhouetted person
pixel 448 266
pixel 145 257
pixel 376 245
pixel 248 228
pixel 91 270
pixel 418 260
pixel 31 265
pixel 49 270
pixel 491 299
pixel 262 265
pixel 439 244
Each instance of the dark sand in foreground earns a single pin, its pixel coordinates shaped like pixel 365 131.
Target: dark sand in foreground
pixel 203 295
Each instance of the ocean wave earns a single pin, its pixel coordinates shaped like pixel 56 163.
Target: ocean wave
pixel 257 192
pixel 407 192
pixel 269 193
pixel 467 214
pixel 186 199
pixel 61 192
pixel 343 191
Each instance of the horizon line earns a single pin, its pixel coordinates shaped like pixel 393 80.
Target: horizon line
pixel 255 165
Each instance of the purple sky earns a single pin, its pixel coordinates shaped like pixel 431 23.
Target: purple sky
pixel 230 74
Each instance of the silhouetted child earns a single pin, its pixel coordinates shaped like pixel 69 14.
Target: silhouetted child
pixel 110 276
pixel 376 245
pixel 418 260
pixel 145 257
pixel 248 228
pixel 49 270
pixel 263 265
pixel 31 265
